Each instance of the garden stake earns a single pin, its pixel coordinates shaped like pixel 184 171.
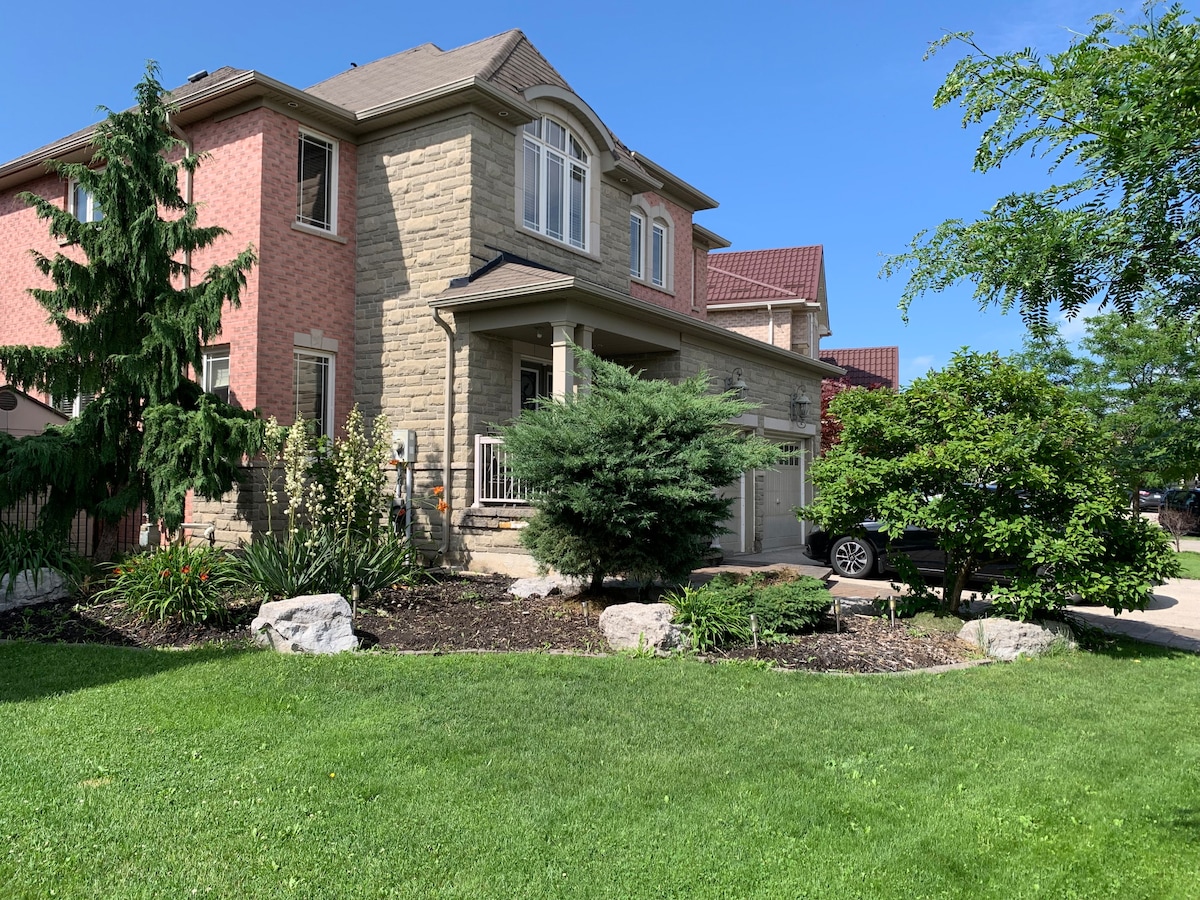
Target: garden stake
pixel 585 613
pixel 892 610
pixel 355 593
pixel 837 615
pixel 754 629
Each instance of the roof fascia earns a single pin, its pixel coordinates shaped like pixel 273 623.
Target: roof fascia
pixel 466 91
pixel 677 187
pixel 762 304
pixel 709 239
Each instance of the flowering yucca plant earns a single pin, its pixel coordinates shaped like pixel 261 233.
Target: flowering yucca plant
pixel 190 584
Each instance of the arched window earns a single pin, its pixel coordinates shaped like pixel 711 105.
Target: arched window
pixel 651 246
pixel 556 182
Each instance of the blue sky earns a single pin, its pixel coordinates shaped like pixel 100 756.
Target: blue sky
pixel 811 122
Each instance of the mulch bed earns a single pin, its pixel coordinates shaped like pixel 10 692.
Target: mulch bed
pixel 476 613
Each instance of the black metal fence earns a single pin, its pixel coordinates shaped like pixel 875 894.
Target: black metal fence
pixel 81 539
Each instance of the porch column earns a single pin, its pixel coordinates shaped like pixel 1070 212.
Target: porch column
pixel 583 340
pixel 563 383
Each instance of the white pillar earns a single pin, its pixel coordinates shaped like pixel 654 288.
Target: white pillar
pixel 564 359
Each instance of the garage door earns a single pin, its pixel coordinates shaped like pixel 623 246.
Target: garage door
pixel 735 540
pixel 783 488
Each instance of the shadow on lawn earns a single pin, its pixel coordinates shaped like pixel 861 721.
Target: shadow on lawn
pixel 30 671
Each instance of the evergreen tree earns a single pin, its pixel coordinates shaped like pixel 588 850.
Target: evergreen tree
pixel 132 320
pixel 625 475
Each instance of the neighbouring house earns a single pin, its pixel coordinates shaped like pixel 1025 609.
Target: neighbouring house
pixel 867 367
pixel 437 230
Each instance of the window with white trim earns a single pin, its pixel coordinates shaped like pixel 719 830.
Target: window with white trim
pixel 215 377
pixel 73 407
pixel 659 254
pixel 316 181
pixel 637 227
pixel 312 387
pixel 83 205
pixel 556 182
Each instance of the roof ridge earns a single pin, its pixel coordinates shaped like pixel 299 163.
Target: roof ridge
pixel 514 38
pixel 762 284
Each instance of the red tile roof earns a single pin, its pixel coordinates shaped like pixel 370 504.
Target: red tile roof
pixel 867 366
pixel 747 275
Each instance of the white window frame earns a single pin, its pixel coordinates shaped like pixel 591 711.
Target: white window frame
pixel 207 376
pixel 74 408
pixel 330 360
pixel 539 155
pixel 660 254
pixel 637 245
pixel 91 211
pixel 328 225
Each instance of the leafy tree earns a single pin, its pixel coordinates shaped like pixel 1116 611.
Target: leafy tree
pixel 624 476
pixel 131 321
pixel 1003 466
pixel 831 426
pixel 1121 108
pixel 1140 378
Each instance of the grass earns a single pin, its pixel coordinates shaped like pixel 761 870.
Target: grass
pixel 1190 561
pixel 128 773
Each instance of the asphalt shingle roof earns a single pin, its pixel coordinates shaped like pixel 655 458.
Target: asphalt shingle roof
pixel 747 275
pixel 867 366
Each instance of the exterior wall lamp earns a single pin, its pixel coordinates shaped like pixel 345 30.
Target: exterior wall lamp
pixel 800 407
pixel 734 382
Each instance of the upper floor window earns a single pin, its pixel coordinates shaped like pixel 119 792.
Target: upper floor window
pixel 73 407
pixel 637 228
pixel 316 180
pixel 83 204
pixel 215 378
pixel 556 185
pixel 650 247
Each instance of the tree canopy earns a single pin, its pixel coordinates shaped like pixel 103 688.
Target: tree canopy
pixel 1004 466
pixel 1118 112
pixel 624 474
pixel 1140 377
pixel 132 320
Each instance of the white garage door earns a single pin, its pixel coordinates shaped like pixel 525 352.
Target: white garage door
pixel 735 540
pixel 782 492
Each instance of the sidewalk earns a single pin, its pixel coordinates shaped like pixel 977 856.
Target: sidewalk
pixel 1171 620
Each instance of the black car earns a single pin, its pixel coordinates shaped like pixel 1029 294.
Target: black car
pixel 868 552
pixel 1183 508
pixel 1149 499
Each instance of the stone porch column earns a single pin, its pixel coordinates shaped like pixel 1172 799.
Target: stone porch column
pixel 563 382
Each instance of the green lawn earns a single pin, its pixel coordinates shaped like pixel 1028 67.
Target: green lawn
pixel 127 773
pixel 1190 561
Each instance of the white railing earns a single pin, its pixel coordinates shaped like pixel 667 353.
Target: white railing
pixel 493 483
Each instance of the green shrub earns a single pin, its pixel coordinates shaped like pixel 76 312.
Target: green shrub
pixel 790 607
pixel 22 549
pixel 190 584
pixel 712 617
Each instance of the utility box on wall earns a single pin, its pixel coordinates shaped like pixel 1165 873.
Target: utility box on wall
pixel 404 445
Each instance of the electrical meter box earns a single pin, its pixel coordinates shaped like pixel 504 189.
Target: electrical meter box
pixel 404 445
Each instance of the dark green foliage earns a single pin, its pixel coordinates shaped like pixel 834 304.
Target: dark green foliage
pixel 1121 108
pixel 190 584
pixel 318 561
pixel 1004 466
pixel 718 613
pixel 23 550
pixel 624 475
pixel 132 320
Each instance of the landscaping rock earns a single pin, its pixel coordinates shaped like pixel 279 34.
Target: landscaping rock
pixel 546 585
pixel 318 623
pixel 50 586
pixel 1006 640
pixel 640 626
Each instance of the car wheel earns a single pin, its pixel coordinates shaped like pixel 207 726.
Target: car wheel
pixel 852 557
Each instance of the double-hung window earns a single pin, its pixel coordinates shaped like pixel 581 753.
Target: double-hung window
pixel 215 377
pixel 316 181
pixel 83 204
pixel 556 168
pixel 658 255
pixel 312 386
pixel 637 226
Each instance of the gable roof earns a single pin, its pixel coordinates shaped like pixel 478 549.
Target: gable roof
pixel 742 276
pixel 867 366
pixel 506 60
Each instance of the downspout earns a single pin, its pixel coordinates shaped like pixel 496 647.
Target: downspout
pixel 189 149
pixel 447 431
pixel 770 324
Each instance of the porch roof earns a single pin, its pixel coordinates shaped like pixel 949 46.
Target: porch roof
pixel 509 294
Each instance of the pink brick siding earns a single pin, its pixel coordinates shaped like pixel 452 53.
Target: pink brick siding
pixel 680 297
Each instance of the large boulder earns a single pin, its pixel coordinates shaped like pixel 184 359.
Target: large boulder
pixel 640 626
pixel 318 623
pixel 545 585
pixel 27 590
pixel 1006 640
